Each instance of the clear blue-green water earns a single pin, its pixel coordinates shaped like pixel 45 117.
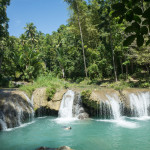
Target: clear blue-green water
pixel 92 134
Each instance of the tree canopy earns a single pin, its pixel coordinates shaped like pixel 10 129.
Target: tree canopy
pixel 103 40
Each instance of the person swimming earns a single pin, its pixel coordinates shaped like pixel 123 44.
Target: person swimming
pixel 67 128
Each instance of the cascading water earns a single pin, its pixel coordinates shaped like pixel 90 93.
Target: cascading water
pixel 31 106
pixel 140 104
pixel 19 114
pixel 115 106
pixel 3 124
pixel 65 110
pixel 16 112
pixel 112 108
pixel 78 110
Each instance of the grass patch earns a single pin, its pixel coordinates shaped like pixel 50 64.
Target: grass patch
pixel 49 81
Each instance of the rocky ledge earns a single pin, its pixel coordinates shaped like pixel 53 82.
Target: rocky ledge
pixel 14 108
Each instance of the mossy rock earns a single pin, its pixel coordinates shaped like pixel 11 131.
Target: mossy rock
pixel 50 92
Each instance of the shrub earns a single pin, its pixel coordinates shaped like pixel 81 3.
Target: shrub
pixel 145 85
pixel 50 93
pixel 85 95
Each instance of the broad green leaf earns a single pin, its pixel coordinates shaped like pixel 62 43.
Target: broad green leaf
pixel 129 29
pixel 129 40
pixel 116 14
pixel 137 10
pixel 135 1
pixel 137 18
pixel 146 13
pixel 118 6
pixel 136 27
pixel 148 42
pixel 140 40
pixel 129 4
pixel 121 19
pixel 129 16
pixel 145 22
pixel 144 30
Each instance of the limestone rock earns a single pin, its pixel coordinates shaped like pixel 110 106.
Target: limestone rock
pixel 44 107
pixel 14 107
pixel 83 116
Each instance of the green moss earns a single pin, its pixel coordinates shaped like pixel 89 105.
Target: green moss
pixel 85 95
pixel 50 93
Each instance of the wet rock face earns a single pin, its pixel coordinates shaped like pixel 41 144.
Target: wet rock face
pixel 44 107
pixel 96 103
pixel 83 116
pixel 14 108
pixel 78 110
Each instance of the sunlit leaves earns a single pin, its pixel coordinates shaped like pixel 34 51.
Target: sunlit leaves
pixel 137 16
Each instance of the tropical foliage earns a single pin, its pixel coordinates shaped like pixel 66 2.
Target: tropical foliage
pixel 103 40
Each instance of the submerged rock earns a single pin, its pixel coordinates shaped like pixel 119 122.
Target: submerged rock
pixel 83 116
pixel 60 148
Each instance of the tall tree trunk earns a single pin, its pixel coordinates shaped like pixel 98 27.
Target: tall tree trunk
pixel 132 67
pixel 113 57
pixel 63 72
pixel 0 63
pixel 85 68
pixel 1 58
pixel 126 71
pixel 121 66
pixel 148 70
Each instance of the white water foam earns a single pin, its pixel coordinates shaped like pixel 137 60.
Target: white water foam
pixel 144 118
pixel 123 123
pixel 21 126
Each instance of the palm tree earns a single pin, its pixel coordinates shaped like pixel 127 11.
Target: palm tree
pixel 31 33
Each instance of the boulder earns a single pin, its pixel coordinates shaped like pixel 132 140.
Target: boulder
pixel 60 148
pixel 83 116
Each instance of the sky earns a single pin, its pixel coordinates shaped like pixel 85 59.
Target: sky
pixel 47 15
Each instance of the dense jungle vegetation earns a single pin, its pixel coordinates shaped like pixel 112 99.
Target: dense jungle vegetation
pixel 104 41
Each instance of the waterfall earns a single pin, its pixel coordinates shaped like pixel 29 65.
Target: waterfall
pixel 65 110
pixel 110 108
pixel 31 104
pixel 78 110
pixel 3 124
pixel 19 114
pixel 140 104
pixel 115 106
